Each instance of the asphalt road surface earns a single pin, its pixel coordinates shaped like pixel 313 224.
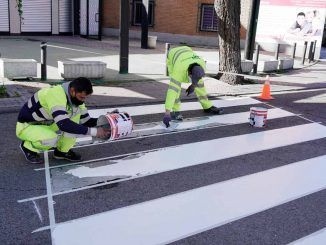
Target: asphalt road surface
pixel 207 180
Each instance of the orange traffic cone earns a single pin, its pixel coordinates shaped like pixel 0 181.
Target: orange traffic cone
pixel 266 92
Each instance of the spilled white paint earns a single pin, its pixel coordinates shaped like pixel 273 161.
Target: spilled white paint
pixel 191 154
pixel 316 238
pixel 186 106
pixel 177 216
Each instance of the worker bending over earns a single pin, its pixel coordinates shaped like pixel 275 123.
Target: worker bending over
pixel 184 66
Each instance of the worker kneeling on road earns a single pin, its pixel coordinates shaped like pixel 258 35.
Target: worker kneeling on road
pixel 184 66
pixel 52 109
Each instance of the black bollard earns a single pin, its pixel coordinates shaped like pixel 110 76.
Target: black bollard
pixel 43 61
pixel 313 51
pixel 304 52
pixel 277 51
pixel 256 58
pixel 310 51
pixel 294 49
pixel 167 49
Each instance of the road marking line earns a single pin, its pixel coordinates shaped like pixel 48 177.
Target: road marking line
pixel 143 132
pixel 316 238
pixel 37 210
pixel 186 106
pixel 176 157
pixel 49 194
pixel 166 160
pixel 181 215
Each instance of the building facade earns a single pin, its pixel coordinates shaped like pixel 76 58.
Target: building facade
pixel 188 21
pixel 39 16
pixel 181 21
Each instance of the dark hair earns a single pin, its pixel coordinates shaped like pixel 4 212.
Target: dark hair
pixel 301 13
pixel 82 84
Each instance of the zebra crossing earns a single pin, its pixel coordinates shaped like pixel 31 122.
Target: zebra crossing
pixel 164 186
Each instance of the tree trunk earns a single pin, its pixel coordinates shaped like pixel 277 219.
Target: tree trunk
pixel 228 17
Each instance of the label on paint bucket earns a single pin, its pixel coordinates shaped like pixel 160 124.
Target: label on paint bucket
pixel 121 124
pixel 258 117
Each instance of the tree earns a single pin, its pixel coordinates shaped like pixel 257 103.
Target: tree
pixel 228 17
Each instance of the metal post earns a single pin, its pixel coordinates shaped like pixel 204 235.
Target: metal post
pixel 100 20
pixel 167 49
pixel 277 51
pixel 252 27
pixel 256 58
pixel 294 49
pixel 144 24
pixel 43 61
pixel 304 52
pixel 310 51
pixel 124 36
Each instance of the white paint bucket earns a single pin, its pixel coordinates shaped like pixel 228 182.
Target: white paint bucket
pixel 121 124
pixel 258 117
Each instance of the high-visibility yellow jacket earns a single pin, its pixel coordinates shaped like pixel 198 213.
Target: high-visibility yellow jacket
pixel 178 62
pixel 53 105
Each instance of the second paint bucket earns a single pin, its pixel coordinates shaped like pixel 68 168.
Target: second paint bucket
pixel 258 117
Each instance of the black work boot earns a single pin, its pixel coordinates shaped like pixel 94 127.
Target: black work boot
pixel 31 156
pixel 70 155
pixel 214 110
pixel 176 115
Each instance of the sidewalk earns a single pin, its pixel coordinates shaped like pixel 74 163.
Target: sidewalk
pixel 146 82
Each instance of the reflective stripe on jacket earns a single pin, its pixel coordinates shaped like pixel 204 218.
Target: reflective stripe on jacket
pixel 51 105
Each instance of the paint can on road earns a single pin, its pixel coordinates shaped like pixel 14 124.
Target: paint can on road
pixel 120 123
pixel 258 117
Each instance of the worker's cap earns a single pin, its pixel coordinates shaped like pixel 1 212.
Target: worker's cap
pixel 197 73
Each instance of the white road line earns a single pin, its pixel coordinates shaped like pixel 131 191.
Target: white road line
pixel 37 210
pixel 230 119
pixel 316 238
pixel 298 115
pixel 187 155
pixel 172 158
pixel 49 194
pixel 186 106
pixel 79 50
pixel 152 129
pixel 155 129
pixel 181 215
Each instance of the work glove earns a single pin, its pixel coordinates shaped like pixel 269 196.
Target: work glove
pixel 103 133
pixel 167 119
pixel 190 89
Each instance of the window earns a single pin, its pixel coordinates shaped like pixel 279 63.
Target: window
pixel 136 12
pixel 208 18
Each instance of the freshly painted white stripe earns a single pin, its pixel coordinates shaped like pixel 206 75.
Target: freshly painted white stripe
pixel 177 216
pixel 192 123
pixel 186 155
pixel 186 106
pixel 316 238
pixel 233 118
pixel 156 128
